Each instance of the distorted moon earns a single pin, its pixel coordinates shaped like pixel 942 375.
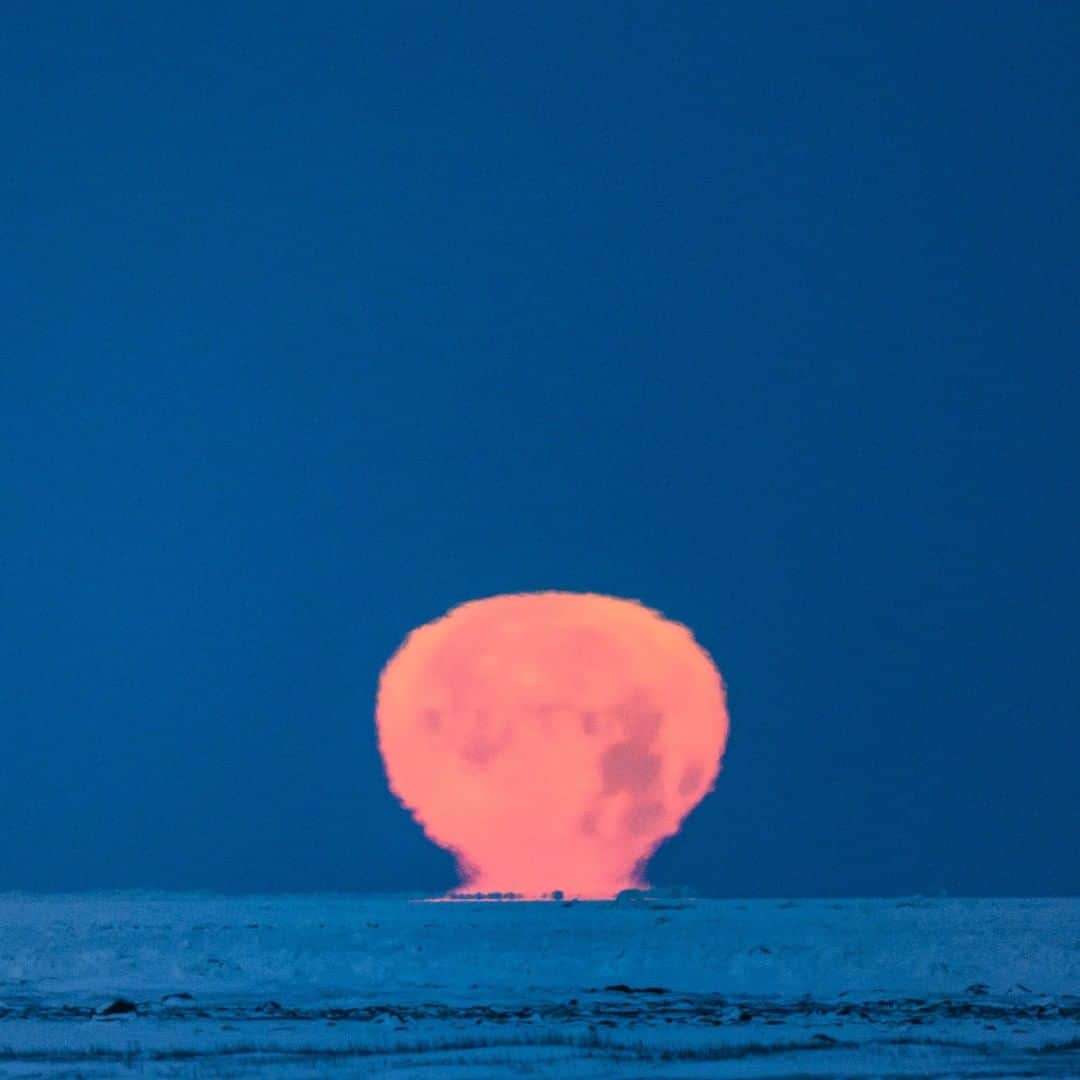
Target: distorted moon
pixel 551 740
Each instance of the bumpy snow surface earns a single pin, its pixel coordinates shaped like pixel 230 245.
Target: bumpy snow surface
pixel 182 985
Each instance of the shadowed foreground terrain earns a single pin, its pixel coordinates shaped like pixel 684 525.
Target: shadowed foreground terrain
pixel 184 985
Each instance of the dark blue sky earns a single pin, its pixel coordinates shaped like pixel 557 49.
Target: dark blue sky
pixel 318 319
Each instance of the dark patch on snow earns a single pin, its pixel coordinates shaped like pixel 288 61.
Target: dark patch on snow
pixel 120 1007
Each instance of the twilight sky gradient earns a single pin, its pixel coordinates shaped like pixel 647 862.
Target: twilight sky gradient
pixel 319 319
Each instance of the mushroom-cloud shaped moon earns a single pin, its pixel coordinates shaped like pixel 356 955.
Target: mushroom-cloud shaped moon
pixel 551 740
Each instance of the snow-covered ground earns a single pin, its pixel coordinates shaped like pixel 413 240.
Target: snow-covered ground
pixel 361 986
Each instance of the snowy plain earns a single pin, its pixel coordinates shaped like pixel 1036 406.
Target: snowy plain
pixel 315 986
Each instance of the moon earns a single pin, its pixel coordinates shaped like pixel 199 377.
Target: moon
pixel 551 740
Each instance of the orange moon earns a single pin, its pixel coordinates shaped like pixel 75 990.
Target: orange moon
pixel 551 740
